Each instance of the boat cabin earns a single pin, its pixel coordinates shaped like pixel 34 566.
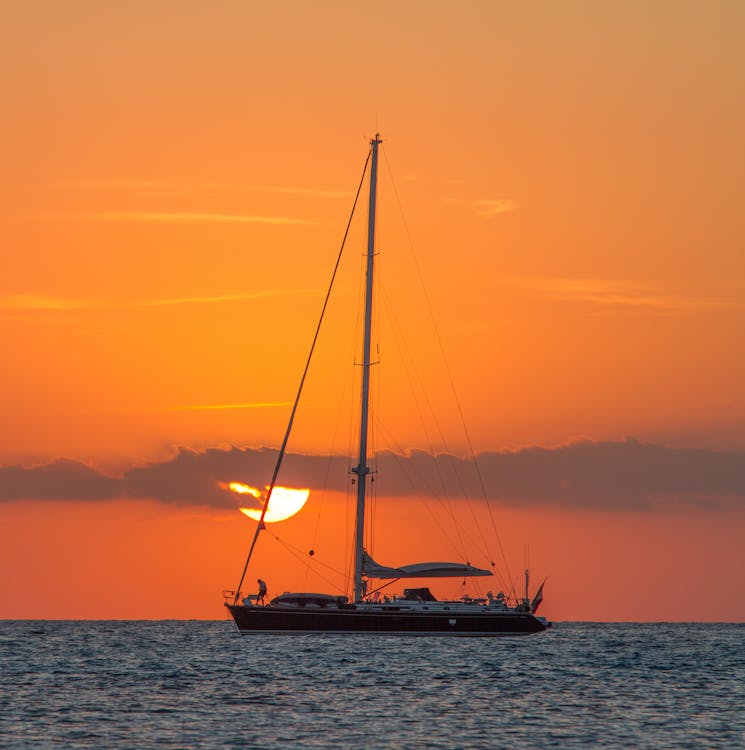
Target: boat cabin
pixel 419 595
pixel 310 601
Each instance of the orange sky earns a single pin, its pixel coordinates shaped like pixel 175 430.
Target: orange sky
pixel 176 178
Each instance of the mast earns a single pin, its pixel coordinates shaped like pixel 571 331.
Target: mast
pixel 362 469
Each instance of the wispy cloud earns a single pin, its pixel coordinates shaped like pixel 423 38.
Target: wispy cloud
pixel 170 187
pixel 133 409
pixel 60 304
pixel 221 407
pixel 211 299
pixel 630 296
pixel 487 208
pixel 181 217
pixel 42 302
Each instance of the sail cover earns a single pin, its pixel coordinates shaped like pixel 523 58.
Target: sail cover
pixel 420 570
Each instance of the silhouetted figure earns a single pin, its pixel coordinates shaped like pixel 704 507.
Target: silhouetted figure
pixel 262 592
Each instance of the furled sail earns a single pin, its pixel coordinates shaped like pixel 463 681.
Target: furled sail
pixel 421 570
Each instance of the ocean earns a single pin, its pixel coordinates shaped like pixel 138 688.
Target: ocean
pixel 194 684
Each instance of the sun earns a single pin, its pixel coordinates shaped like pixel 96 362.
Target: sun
pixel 284 503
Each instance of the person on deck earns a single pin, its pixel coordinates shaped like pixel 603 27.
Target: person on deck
pixel 262 592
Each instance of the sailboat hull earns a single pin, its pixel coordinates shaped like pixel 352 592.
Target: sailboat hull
pixel 252 619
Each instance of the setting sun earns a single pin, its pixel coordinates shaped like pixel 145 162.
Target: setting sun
pixel 285 502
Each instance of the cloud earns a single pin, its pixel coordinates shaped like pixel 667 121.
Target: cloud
pixel 165 186
pixel 627 295
pixel 587 475
pixel 487 208
pixel 219 407
pixel 210 299
pixel 184 217
pixel 59 480
pixel 61 304
pixel 43 302
pixel 181 407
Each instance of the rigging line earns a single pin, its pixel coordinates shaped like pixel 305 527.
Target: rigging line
pixel 300 557
pixel 347 557
pixel 515 583
pixel 404 349
pixel 329 462
pixel 410 367
pixel 397 454
pixel 312 561
pixel 282 450
pixel 372 494
pixel 447 368
pixel 326 475
pixel 380 588
pixel 353 429
pixel 377 398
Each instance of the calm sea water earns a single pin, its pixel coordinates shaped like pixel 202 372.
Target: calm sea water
pixel 201 685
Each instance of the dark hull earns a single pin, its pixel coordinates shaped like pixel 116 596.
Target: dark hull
pixel 288 621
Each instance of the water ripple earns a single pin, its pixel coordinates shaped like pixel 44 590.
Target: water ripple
pixel 199 685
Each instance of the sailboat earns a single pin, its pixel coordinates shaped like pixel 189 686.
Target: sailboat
pixel 416 611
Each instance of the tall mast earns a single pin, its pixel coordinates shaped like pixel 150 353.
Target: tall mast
pixel 362 469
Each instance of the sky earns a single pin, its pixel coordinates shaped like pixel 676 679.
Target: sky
pixel 561 295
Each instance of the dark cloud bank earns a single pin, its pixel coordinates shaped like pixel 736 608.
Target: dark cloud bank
pixel 580 475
